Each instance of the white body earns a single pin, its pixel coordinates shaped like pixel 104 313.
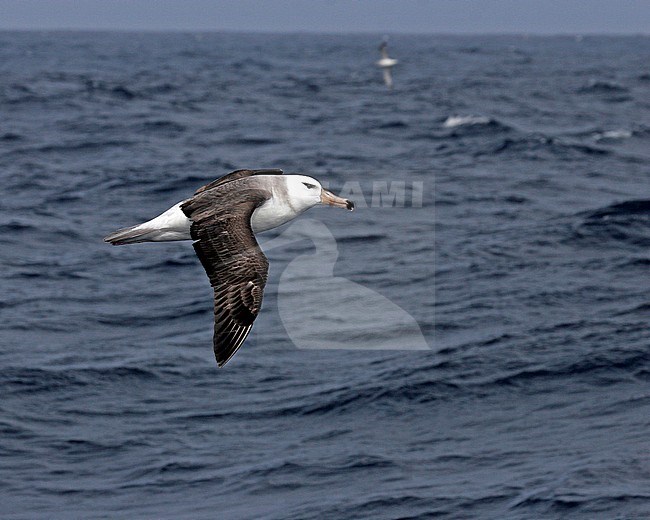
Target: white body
pixel 170 225
pixel 386 62
pixel 288 200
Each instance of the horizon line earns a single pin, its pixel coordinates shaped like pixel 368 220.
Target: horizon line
pixel 323 32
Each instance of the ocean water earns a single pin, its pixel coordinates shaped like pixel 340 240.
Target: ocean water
pixel 520 251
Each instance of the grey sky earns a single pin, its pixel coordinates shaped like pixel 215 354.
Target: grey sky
pixel 388 16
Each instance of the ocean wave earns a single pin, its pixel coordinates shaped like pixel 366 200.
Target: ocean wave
pixel 392 124
pixel 634 262
pixel 49 90
pixel 543 143
pixel 187 183
pixel 594 506
pixel 251 140
pixel 160 88
pixel 643 309
pixel 166 263
pixel 625 222
pixel 346 399
pixel 77 446
pixel 362 237
pixel 471 50
pixel 334 401
pixel 606 363
pixel 11 136
pixel 602 87
pixel 17 226
pixel 73 146
pixel 30 380
pixel 18 93
pixel 248 63
pixel 119 91
pixel 455 121
pixel 32 383
pixel 613 135
pixel 163 126
pixel 289 85
pixel 151 473
pixel 626 208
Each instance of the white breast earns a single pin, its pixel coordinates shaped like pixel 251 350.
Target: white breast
pixel 386 62
pixel 271 214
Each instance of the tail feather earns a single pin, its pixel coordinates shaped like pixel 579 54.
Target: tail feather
pixel 129 235
pixel 168 226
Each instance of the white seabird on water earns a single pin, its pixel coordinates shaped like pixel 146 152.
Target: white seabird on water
pixel 222 218
pixel 386 64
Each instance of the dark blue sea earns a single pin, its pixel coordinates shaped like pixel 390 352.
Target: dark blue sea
pixel 503 206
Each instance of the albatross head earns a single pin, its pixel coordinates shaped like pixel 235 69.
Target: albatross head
pixel 306 192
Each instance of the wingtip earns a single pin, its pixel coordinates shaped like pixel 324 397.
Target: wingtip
pixel 222 363
pixel 110 239
pixel 224 355
pixel 129 235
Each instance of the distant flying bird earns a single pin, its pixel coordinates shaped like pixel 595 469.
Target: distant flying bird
pixel 222 219
pixel 386 64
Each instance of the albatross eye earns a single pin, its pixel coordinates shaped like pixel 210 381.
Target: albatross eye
pixel 310 186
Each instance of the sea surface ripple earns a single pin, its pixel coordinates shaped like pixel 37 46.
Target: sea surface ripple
pixel 526 268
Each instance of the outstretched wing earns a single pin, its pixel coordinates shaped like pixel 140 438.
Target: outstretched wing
pixel 388 77
pixel 237 174
pixel 232 259
pixel 383 48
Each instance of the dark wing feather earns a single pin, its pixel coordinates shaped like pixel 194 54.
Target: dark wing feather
pixel 232 259
pixel 237 174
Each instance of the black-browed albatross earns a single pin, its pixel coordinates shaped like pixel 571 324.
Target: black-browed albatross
pixel 386 64
pixel 222 218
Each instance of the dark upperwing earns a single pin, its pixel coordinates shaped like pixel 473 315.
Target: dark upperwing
pixel 237 174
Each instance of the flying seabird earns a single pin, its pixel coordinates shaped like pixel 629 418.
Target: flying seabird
pixel 222 218
pixel 386 64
